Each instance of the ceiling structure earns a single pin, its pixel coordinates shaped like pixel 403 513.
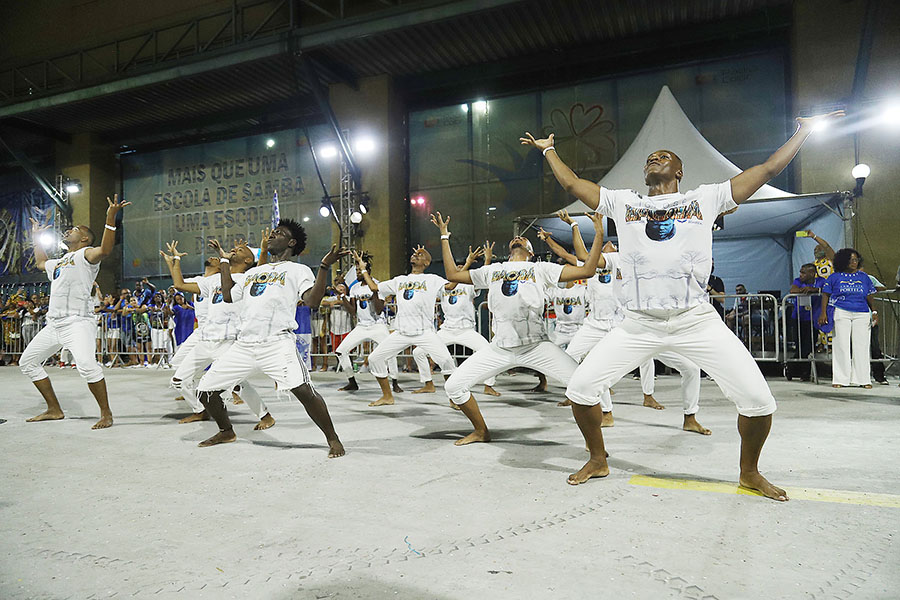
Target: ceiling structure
pixel 252 69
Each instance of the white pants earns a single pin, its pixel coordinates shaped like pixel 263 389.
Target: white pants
pixel 690 379
pixel 360 334
pixel 544 357
pixel 77 334
pixel 563 336
pixel 191 369
pixel 463 337
pixel 276 357
pixel 185 347
pixel 586 338
pixel 394 343
pixel 697 334
pixel 850 348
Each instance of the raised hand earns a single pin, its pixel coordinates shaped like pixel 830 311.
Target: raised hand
pixel 170 260
pixel 541 144
pixel 333 255
pixel 488 250
pixel 812 123
pixel 543 234
pixel 37 227
pixel 474 254
pixel 114 205
pixel 215 245
pixel 441 223
pixel 597 220
pixel 172 247
pixel 564 216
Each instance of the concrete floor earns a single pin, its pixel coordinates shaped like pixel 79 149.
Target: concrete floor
pixel 140 511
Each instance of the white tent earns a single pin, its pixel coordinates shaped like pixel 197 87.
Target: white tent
pixel 756 247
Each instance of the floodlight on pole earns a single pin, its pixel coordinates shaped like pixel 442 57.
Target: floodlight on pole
pixel 328 151
pixel 356 217
pixel 73 186
pixel 891 114
pixel 270 143
pixel 364 145
pixel 325 208
pixel 860 172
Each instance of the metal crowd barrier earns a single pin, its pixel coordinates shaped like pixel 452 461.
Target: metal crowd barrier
pixel 754 319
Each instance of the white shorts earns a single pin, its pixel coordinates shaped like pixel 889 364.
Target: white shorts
pixel 160 338
pixel 276 357
pixel 393 344
pixel 77 334
pixel 697 334
pixel 185 347
pixel 376 333
pixel 544 357
pixel 463 337
pixel 112 334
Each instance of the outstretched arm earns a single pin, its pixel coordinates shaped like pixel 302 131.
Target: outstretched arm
pixel 595 258
pixel 556 247
pixel 470 260
pixel 488 252
pixel 581 253
pixel 745 184
pixel 367 278
pixel 40 256
pixel 586 191
pixel 313 296
pixel 450 269
pixel 95 254
pixel 226 282
pixel 829 251
pixel 264 247
pixel 173 261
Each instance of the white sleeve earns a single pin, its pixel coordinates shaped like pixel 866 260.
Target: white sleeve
pixel 49 266
pixel 306 281
pixel 719 194
pixel 387 288
pixel 237 290
pixel 607 205
pixel 549 273
pixel 612 261
pixel 481 277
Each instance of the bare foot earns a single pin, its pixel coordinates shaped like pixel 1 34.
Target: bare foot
pixel 264 423
pixel 607 420
pixel 454 406
pixel 104 422
pixel 475 436
pixel 691 424
pixel 592 468
pixel 235 399
pixel 539 388
pixel 193 418
pixel 47 415
pixel 351 386
pixel 395 387
pixel 179 398
pixel 223 437
pixel 490 391
pixel 336 449
pixel 868 386
pixel 755 481
pixel 427 388
pixel 383 401
pixel 650 402
pixel 836 385
pixel 565 402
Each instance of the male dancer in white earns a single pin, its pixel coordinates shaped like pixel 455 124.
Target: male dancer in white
pixel 665 239
pixel 70 316
pixel 604 291
pixel 458 327
pixel 416 295
pixel 268 300
pixel 201 307
pixel 216 335
pixel 517 292
pixel 370 325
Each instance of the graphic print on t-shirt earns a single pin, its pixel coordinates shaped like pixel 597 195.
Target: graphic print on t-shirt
pixel 217 295
pixel 409 288
pixel 259 281
pixel 511 279
pixel 661 222
pixel 66 261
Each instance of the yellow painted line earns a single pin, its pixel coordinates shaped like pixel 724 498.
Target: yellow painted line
pixel 721 487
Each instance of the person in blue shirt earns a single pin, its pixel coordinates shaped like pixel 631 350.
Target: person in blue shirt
pixel 800 322
pixel 849 291
pixel 184 318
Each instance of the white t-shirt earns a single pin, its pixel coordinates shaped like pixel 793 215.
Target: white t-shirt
pixel 201 304
pixel 223 319
pixel 339 320
pixel 601 294
pixel 665 243
pixel 416 295
pixel 268 299
pixel 71 283
pixel 517 291
pixel 365 308
pixel 458 306
pixel 569 307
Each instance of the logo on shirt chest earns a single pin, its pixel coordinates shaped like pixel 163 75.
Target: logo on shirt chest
pixel 217 295
pixel 258 282
pixel 511 279
pixel 568 304
pixel 454 295
pixel 65 261
pixel 661 222
pixel 409 288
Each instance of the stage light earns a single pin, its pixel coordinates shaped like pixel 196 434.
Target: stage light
pixel 420 200
pixel 270 143
pixel 47 239
pixel 306 219
pixel 364 145
pixel 492 208
pixel 73 187
pixel 891 114
pixel 822 125
pixel 860 171
pixel 480 106
pixel 325 208
pixel 464 108
pixel 328 151
pixel 356 217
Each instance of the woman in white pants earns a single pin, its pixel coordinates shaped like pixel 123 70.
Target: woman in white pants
pixel 849 291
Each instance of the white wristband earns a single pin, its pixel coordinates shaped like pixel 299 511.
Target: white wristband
pixel 548 149
pixel 445 236
pixel 224 260
pixel 110 227
pixel 176 257
pixel 574 224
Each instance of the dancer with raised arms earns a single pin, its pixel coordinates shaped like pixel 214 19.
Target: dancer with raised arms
pixel 665 242
pixel 517 291
pixel 70 316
